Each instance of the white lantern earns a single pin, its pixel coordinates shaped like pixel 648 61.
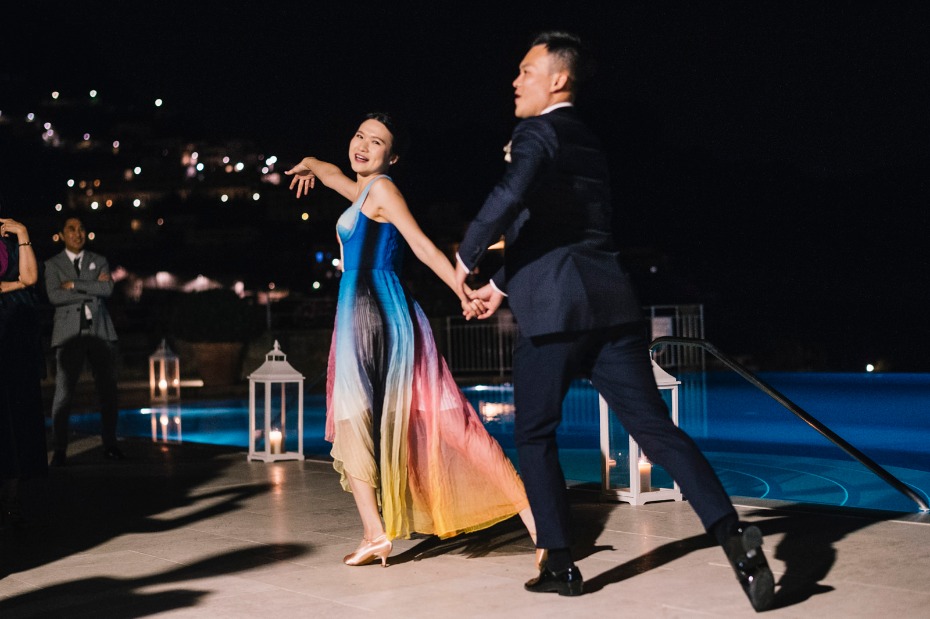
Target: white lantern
pixel 629 476
pixel 164 374
pixel 275 377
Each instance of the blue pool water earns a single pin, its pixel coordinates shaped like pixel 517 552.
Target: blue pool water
pixel 758 448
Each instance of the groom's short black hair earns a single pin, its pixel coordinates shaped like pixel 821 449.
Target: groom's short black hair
pixel 571 52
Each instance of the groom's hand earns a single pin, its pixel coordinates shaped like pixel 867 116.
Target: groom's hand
pixel 491 297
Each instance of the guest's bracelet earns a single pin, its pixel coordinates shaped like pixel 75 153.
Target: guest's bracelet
pixel 26 243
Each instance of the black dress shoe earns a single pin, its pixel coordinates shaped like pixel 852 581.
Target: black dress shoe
pixel 744 550
pixel 113 453
pixel 566 582
pixel 58 459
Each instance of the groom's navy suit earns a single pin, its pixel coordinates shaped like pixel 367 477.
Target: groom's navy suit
pixel 577 315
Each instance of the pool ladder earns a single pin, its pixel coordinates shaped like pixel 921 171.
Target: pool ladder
pixel 806 417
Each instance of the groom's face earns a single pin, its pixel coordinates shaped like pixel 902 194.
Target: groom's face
pixel 534 83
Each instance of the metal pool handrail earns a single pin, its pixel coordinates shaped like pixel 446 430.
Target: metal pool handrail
pixel 834 438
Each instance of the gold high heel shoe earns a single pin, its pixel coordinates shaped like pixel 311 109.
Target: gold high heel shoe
pixel 379 547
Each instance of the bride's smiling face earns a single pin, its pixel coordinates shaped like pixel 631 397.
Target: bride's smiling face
pixel 371 148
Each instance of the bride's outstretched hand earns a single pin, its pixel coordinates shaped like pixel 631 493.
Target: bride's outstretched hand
pixel 304 178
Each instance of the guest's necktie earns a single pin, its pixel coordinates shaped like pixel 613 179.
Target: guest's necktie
pixel 85 320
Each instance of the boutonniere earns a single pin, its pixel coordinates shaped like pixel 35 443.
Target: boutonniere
pixel 507 151
pixel 92 266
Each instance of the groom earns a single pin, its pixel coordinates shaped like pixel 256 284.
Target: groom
pixel 577 314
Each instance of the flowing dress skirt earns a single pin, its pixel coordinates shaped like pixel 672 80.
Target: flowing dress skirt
pixel 399 422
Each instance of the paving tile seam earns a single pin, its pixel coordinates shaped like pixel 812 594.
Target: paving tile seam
pixel 872 585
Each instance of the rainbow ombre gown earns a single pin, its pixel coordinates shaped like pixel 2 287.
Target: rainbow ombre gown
pixel 395 416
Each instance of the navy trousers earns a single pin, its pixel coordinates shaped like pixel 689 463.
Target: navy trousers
pixel 617 362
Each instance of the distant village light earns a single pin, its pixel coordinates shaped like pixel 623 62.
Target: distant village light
pixel 58 207
pixel 271 160
pixel 224 198
pixel 54 94
pixel 115 143
pixel 137 203
pixel 158 102
pixel 70 182
pixel 256 196
pixel 47 126
pixel 94 205
pixel 91 236
pixel 316 285
pixel 86 137
pixel 200 167
pixel 93 93
pixel 240 166
pixel 137 170
pixel 305 216
pixel 30 117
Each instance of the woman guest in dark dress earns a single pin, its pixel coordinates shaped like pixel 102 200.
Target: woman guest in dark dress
pixel 23 453
pixel 406 442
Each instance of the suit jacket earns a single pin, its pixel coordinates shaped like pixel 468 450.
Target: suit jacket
pixel 87 291
pixel 562 270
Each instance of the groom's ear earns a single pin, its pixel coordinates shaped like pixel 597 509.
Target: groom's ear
pixel 560 81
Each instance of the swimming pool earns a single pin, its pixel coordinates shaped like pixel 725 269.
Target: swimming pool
pixel 758 448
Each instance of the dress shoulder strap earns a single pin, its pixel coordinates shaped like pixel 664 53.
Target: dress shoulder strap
pixel 364 194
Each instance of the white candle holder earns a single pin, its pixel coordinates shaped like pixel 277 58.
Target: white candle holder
pixel 641 486
pixel 275 377
pixel 164 374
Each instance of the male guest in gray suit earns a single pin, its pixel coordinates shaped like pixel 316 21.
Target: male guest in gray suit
pixel 78 281
pixel 578 315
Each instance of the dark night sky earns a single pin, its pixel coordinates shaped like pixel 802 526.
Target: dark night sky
pixel 776 154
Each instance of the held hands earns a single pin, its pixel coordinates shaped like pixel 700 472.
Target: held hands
pixel 481 303
pixel 490 299
pixel 472 307
pixel 304 178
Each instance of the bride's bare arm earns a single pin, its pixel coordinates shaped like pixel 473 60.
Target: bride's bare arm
pixel 309 169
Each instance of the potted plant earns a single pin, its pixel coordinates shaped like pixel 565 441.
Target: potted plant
pixel 215 324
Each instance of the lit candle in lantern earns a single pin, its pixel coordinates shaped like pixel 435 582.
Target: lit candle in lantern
pixel 645 474
pixel 274 441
